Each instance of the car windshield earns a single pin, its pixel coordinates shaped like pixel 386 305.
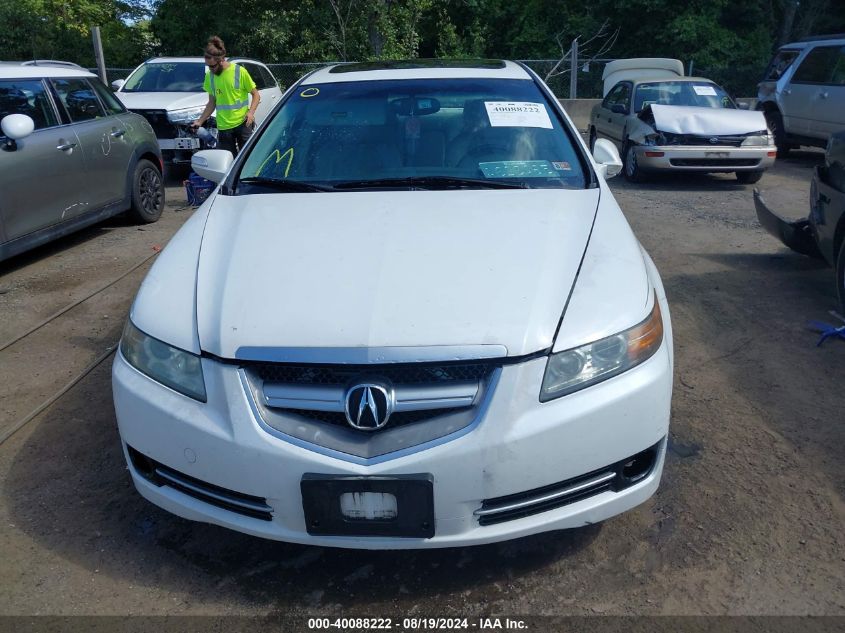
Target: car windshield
pixel 169 77
pixel 779 65
pixel 702 94
pixel 413 134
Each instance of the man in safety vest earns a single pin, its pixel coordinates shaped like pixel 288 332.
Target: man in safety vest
pixel 229 87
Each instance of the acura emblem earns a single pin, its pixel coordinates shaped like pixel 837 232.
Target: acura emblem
pixel 714 140
pixel 368 406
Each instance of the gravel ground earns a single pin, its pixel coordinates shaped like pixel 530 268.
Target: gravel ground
pixel 748 519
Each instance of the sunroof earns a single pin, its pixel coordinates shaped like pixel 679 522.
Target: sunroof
pixel 410 64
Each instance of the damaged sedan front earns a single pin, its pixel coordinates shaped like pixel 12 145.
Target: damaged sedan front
pixel 682 124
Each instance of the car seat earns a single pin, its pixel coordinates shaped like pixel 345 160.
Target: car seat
pixel 475 121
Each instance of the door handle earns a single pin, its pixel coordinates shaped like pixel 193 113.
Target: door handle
pixel 824 95
pixel 117 133
pixel 65 146
pixel 787 91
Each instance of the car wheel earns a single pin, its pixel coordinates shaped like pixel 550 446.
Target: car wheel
pixel 749 177
pixel 629 159
pixel 592 138
pixel 840 276
pixel 147 193
pixel 775 122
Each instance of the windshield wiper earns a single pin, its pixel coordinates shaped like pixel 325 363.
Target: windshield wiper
pixel 431 182
pixel 284 185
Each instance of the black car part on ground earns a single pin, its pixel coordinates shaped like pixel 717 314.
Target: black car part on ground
pixel 797 234
pixel 822 233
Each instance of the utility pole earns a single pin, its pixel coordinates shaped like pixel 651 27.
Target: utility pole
pixel 573 73
pixel 98 54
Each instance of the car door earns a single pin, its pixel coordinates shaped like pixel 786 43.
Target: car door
pixel 42 177
pixel 805 101
pixel 102 138
pixel 609 120
pixel 827 98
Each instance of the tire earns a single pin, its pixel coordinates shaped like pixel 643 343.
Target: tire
pixel 748 177
pixel 840 276
pixel 147 193
pixel 630 168
pixel 775 122
pixel 592 142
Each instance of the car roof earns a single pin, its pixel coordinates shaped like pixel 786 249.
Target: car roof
pixel 419 69
pixel 195 60
pixel 26 72
pixel 43 62
pixel 816 40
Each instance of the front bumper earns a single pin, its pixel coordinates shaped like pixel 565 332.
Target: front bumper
pixel 519 446
pixel 704 158
pixel 796 234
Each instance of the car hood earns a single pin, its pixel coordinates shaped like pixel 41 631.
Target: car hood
pixel 706 121
pixel 280 275
pixel 162 100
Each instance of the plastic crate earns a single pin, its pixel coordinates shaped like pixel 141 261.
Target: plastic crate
pixel 197 189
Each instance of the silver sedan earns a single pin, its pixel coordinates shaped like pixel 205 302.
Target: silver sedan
pixel 682 124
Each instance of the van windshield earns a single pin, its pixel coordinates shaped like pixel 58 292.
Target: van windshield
pixel 420 133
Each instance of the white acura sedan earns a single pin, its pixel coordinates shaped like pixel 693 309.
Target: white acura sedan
pixel 411 315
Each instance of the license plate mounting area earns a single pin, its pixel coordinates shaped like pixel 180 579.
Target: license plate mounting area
pixel 394 506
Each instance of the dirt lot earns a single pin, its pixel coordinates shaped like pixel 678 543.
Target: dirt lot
pixel 748 519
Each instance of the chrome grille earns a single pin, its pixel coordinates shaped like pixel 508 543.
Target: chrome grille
pixel 430 400
pixel 693 139
pixel 339 419
pixel 418 373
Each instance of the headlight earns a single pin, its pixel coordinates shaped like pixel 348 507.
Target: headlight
pixel 583 366
pixel 172 367
pixel 188 115
pixel 759 139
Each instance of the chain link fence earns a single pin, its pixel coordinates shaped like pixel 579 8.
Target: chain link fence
pixel 739 82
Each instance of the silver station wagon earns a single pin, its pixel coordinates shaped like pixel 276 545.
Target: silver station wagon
pixel 70 156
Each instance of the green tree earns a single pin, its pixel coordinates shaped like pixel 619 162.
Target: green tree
pixel 61 29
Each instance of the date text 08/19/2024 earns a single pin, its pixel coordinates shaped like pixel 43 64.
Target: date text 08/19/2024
pixel 417 624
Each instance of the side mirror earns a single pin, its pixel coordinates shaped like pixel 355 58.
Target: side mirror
pixel 117 84
pixel 607 156
pixel 618 108
pixel 213 163
pixel 16 127
pixel 743 105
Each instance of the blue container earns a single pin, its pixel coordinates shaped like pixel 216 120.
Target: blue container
pixel 197 189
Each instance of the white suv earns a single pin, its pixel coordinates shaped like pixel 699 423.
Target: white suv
pixel 167 91
pixel 803 92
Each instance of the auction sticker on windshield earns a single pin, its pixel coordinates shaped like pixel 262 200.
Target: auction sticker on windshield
pixel 517 114
pixel 705 91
